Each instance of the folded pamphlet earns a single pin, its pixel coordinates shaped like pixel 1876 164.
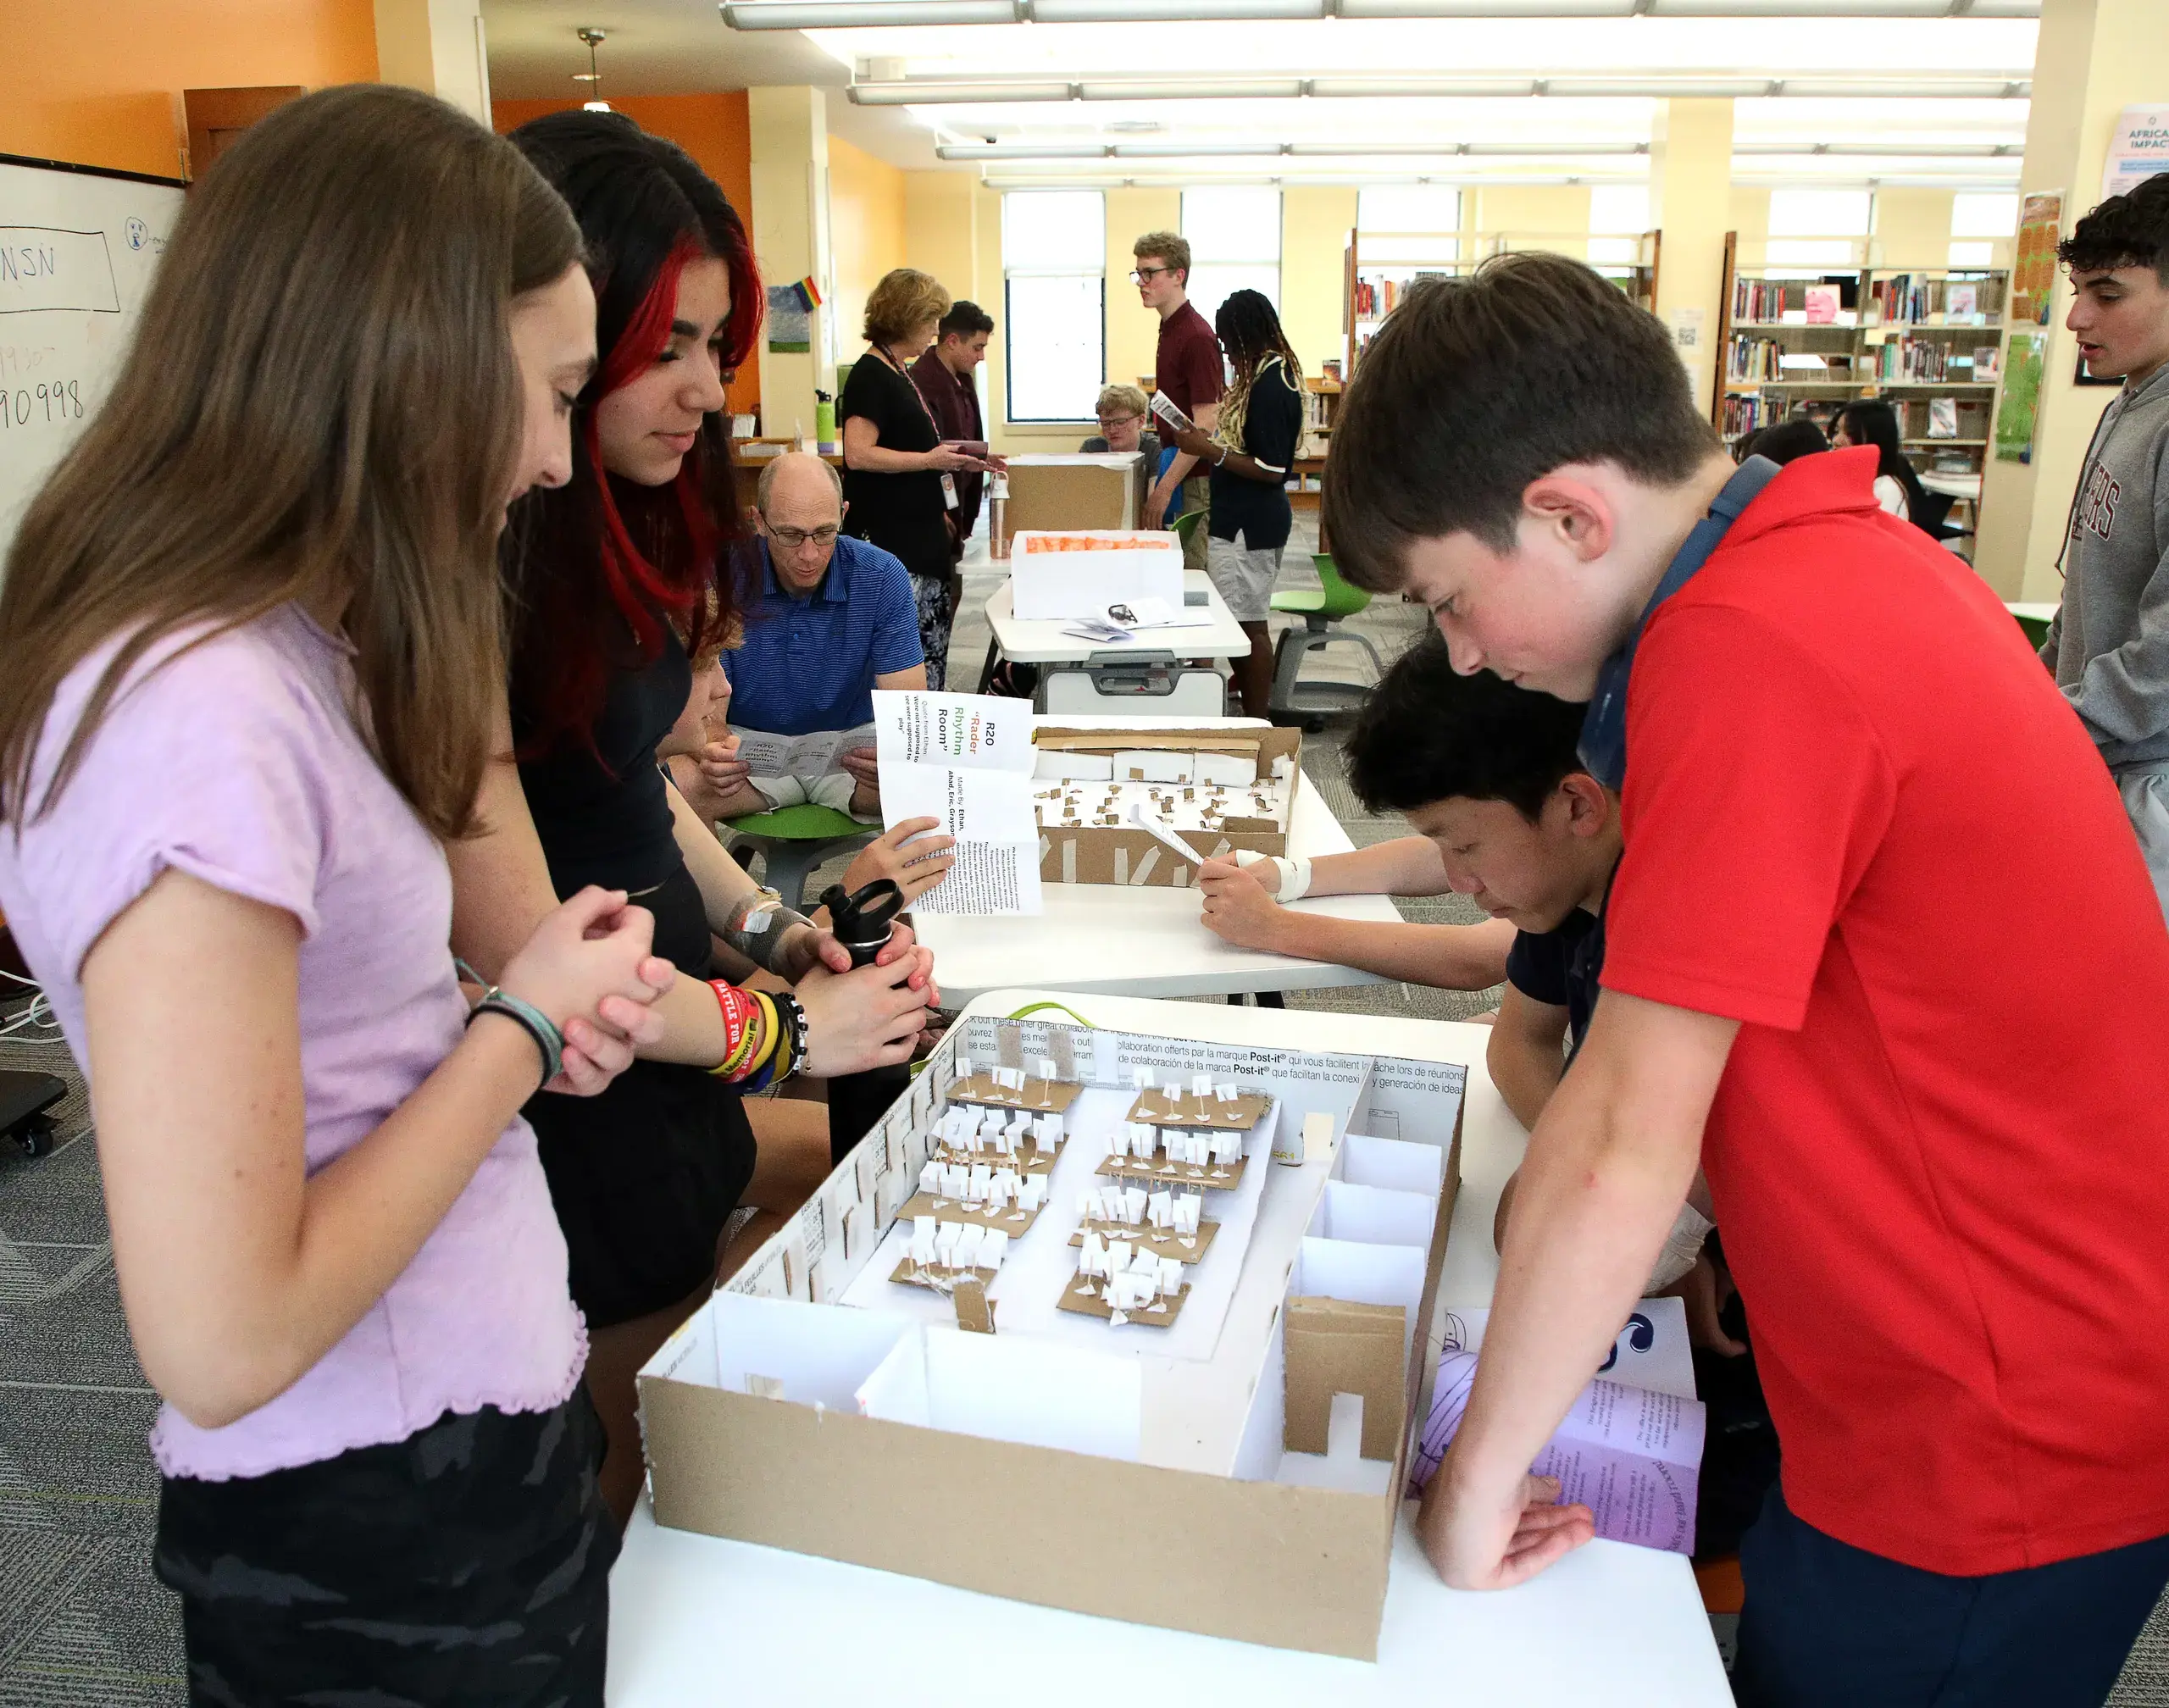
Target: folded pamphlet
pixel 966 760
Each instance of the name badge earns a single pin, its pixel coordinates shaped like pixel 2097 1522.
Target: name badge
pixel 949 491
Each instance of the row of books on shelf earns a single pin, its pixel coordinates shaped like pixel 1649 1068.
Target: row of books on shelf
pixel 1376 298
pixel 1910 361
pixel 1817 303
pixel 1929 360
pixel 1913 299
pixel 1921 420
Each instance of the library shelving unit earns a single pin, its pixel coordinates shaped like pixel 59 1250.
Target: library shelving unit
pixel 1321 406
pixel 1927 340
pixel 1379 266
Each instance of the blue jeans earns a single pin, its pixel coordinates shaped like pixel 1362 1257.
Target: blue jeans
pixel 1826 1625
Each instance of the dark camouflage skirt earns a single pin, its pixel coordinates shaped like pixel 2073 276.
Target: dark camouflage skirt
pixel 468 1564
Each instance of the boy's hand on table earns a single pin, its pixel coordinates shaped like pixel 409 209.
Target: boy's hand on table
pixel 1237 907
pixel 1493 1539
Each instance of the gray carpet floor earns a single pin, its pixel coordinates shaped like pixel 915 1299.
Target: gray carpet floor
pixel 82 1620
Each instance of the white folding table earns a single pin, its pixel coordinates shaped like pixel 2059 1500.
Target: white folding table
pixel 1143 940
pixel 696 1620
pixel 1140 678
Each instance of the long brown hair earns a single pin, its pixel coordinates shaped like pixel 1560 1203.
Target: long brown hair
pixel 321 405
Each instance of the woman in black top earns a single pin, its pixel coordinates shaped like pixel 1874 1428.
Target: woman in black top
pixel 1251 449
pixel 898 472
pixel 612 576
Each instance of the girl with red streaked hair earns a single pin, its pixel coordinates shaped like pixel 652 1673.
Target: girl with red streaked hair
pixel 615 578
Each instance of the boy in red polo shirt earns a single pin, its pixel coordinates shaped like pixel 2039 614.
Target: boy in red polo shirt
pixel 1883 955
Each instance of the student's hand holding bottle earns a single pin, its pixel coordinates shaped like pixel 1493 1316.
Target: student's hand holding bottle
pixel 868 1017
pixel 589 968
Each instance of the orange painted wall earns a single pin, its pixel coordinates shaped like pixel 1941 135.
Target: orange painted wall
pixel 866 224
pixel 714 129
pixel 100 84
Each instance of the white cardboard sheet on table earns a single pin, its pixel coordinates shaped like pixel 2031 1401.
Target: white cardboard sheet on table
pixel 1057 586
pixel 966 760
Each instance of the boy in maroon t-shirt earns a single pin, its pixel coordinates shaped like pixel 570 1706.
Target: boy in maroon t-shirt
pixel 1882 954
pixel 1187 366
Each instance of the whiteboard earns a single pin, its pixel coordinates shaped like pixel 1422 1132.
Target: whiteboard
pixel 77 249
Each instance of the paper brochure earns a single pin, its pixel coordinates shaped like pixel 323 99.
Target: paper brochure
pixel 1632 1454
pixel 966 761
pixel 816 754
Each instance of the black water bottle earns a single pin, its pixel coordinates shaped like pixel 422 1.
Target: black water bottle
pixel 862 922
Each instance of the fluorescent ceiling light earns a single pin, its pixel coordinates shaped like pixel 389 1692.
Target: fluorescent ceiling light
pixel 1219 89
pixel 869 14
pixel 1020 151
pixel 1186 151
pixel 931 91
pixel 839 15
pixel 1178 11
pixel 1585 88
pixel 1546 151
pixel 1487 8
pixel 1887 151
pixel 943 91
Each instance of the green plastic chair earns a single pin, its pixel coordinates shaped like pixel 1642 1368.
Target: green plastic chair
pixel 1186 524
pixel 1320 611
pixel 792 841
pixel 2036 627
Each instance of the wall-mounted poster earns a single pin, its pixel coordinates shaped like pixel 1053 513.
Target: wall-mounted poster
pixel 2034 275
pixel 2022 396
pixel 2139 150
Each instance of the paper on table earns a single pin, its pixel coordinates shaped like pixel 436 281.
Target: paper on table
pixel 1633 1457
pixel 967 761
pixel 815 754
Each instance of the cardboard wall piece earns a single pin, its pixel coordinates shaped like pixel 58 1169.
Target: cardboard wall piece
pixel 1083 490
pixel 1124 855
pixel 1335 1346
pixel 897 1477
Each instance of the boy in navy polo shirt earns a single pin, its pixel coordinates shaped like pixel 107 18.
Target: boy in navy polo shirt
pixel 1842 766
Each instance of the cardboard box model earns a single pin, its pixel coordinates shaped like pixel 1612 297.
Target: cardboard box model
pixel 1174 760
pixel 1080 491
pixel 810 1405
pixel 1062 574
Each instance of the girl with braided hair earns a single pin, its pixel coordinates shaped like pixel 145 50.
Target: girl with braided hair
pixel 1250 450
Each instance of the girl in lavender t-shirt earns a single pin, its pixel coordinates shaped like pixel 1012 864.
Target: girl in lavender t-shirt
pixel 248 648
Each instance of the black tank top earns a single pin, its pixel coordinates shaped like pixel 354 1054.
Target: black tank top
pixel 603 813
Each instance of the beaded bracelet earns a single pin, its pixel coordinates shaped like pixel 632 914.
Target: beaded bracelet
pixel 787 1052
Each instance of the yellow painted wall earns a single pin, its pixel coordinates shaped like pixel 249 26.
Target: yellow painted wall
pixel 867 225
pixel 1750 220
pixel 1534 216
pixel 1912 227
pixel 1315 221
pixel 1133 329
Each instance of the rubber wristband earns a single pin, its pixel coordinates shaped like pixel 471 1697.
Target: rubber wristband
pixel 532 1021
pixel 741 1028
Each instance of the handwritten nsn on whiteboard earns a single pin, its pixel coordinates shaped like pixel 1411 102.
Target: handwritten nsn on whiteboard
pixel 77 251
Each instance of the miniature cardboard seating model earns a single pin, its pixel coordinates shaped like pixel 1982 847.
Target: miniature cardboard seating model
pixel 1265 1417
pixel 1217 790
pixel 1089 571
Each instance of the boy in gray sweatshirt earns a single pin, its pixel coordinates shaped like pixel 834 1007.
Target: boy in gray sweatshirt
pixel 2108 645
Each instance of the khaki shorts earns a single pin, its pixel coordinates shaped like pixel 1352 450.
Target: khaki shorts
pixel 1197 496
pixel 1242 577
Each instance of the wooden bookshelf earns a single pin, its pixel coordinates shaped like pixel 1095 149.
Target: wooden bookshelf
pixel 1370 287
pixel 1916 337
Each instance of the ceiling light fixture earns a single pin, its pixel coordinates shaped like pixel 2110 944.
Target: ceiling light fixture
pixel 593 75
pixel 936 92
pixel 853 14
